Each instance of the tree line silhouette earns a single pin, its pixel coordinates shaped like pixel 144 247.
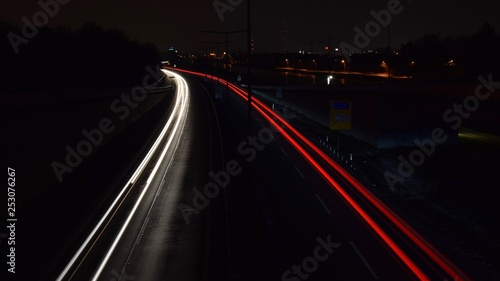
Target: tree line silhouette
pixel 431 57
pixel 61 58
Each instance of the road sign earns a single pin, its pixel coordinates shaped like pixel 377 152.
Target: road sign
pixel 340 115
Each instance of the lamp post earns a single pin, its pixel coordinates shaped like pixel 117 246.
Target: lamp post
pixel 249 47
pixel 226 34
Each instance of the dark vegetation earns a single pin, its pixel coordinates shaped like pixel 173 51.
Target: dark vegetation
pixel 453 57
pixel 62 59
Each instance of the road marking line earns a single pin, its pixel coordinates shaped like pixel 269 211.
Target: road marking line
pixel 323 203
pixel 364 260
pixel 161 184
pixel 284 151
pixel 296 168
pixel 141 233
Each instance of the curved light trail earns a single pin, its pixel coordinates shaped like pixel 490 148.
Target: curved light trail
pixel 172 128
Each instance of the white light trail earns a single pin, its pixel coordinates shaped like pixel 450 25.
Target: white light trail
pixel 178 116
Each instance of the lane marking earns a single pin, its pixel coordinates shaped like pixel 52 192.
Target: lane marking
pixel 148 216
pixel 141 233
pixel 364 260
pixel 208 96
pixel 282 150
pixel 300 173
pixel 323 203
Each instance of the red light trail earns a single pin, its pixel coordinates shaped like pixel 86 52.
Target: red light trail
pixel 276 120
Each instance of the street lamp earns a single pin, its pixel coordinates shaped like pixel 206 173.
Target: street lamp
pixel 343 63
pixel 249 64
pixel 226 34
pixel 249 45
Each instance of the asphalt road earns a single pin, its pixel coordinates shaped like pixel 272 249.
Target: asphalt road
pixel 143 234
pixel 163 243
pixel 282 207
pixel 218 200
pixel 293 213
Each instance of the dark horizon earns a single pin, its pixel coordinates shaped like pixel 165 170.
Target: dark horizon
pixel 429 57
pixel 179 24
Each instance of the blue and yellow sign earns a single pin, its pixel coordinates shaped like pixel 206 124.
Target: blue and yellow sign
pixel 340 115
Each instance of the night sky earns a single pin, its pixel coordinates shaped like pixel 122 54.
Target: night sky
pixel 179 23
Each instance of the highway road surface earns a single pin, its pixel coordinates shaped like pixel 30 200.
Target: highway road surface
pixel 299 198
pixel 218 196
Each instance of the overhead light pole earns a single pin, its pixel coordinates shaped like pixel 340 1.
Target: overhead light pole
pixel 226 34
pixel 249 64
